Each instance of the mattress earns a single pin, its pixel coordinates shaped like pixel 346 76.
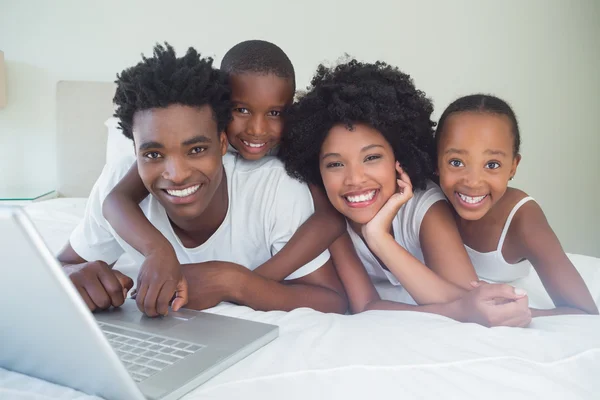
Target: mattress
pixel 381 353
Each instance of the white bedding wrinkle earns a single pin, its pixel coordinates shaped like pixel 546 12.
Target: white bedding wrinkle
pixel 380 353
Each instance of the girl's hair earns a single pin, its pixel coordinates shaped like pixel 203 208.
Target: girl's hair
pixel 481 103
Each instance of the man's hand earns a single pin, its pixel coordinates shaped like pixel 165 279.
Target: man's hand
pixel 213 282
pixel 496 305
pixel 161 281
pixel 100 286
pixel 382 221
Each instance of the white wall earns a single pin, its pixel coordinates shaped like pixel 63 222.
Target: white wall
pixel 541 55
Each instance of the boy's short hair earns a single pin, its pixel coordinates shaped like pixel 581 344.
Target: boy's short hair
pixel 165 79
pixel 258 56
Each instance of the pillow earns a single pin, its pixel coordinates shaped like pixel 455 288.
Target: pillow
pixel 117 145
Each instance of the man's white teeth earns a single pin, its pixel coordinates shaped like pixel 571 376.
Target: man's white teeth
pixel 185 192
pixel 361 197
pixel 253 145
pixel 472 200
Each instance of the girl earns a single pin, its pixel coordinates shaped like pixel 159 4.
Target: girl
pixel 359 133
pixel 477 143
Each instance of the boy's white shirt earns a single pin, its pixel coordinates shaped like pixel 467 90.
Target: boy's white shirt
pixel 406 225
pixel 266 207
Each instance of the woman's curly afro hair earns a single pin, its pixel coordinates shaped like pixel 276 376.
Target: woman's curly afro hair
pixel 378 95
pixel 165 79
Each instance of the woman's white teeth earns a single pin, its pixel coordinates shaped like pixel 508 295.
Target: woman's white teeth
pixel 253 145
pixel 361 197
pixel 185 192
pixel 471 200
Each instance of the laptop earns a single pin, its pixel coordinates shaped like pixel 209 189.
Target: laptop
pixel 47 331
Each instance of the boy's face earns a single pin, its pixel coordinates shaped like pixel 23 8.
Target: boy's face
pixel 259 101
pixel 179 156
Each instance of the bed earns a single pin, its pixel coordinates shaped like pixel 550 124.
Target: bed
pixel 374 354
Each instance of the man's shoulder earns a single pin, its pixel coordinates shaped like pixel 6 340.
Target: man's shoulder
pixel 112 173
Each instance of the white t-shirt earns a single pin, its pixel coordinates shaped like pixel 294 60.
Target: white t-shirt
pixel 406 226
pixel 266 207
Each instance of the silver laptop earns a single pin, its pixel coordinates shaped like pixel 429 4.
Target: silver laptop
pixel 47 331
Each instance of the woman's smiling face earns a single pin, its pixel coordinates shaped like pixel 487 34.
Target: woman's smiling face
pixel 358 171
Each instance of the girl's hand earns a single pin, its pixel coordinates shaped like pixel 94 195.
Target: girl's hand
pixel 381 223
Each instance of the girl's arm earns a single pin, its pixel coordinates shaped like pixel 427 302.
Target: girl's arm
pixel 476 306
pixel 535 240
pixel 443 248
pixel 313 237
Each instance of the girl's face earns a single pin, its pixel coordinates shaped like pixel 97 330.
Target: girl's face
pixel 358 171
pixel 476 161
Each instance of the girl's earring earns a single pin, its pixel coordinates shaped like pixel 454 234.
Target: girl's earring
pixel 511 178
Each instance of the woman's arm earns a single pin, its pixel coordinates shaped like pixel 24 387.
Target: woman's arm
pixel 357 284
pixel 476 306
pixel 535 240
pixel 423 284
pixel 443 248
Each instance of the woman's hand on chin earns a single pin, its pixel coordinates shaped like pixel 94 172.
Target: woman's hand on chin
pixel 381 224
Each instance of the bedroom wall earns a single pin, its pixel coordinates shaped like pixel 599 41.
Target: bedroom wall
pixel 541 55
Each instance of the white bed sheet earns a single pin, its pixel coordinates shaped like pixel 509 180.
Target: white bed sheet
pixel 406 354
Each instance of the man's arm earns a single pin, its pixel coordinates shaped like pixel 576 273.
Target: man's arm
pixel 68 256
pixel 97 283
pixel 213 282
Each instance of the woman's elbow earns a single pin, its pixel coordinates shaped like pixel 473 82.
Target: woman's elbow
pixel 339 305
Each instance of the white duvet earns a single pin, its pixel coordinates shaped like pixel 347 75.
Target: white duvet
pixel 381 353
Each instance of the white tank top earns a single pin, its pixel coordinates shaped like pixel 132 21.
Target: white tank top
pixel 492 266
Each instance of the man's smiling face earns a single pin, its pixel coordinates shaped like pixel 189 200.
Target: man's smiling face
pixel 179 156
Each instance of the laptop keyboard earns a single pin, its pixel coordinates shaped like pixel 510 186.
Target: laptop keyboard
pixel 145 354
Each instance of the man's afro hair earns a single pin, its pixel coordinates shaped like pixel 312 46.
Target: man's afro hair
pixel 165 79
